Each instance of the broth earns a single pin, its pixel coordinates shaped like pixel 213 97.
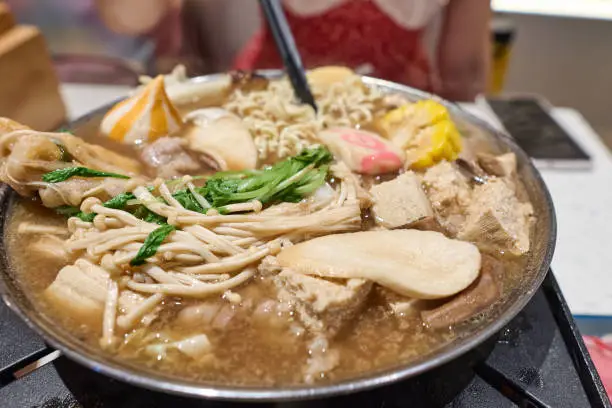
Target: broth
pixel 246 357
pixel 246 351
pixel 247 354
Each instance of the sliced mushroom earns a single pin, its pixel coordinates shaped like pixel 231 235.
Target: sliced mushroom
pixel 170 157
pixel 222 136
pixel 481 294
pixel 412 263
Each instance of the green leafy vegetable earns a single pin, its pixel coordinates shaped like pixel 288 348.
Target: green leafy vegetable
pixel 58 175
pixel 71 211
pixel 119 202
pixel 87 217
pixel 188 201
pixel 223 210
pixel 65 130
pixel 147 215
pixel 152 243
pixel 289 180
pixel 67 210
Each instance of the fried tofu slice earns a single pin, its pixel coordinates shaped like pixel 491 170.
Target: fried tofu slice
pixel 497 220
pixel 400 202
pixel 323 306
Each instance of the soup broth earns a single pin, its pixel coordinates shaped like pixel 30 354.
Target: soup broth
pixel 255 337
pixel 250 354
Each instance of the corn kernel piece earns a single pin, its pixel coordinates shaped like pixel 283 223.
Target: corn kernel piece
pixel 426 132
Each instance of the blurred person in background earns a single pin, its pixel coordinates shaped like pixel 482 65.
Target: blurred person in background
pixel 385 39
pixel 382 38
pixel 99 40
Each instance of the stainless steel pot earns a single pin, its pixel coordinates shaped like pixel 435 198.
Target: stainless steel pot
pixel 469 335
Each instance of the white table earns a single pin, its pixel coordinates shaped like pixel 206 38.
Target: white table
pixel 582 199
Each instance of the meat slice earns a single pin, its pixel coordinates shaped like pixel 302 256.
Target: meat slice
pixel 412 263
pixel 475 299
pixel 26 155
pixel 497 220
pixel 73 191
pixel 95 156
pixel 323 306
pixel 221 135
pixel 169 157
pixel 27 159
pixel 221 314
pixel 449 193
pixel 400 202
pixel 80 288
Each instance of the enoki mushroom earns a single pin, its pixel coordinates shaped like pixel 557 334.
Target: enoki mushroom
pixel 207 254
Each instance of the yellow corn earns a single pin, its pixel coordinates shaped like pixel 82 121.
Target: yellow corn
pixel 425 131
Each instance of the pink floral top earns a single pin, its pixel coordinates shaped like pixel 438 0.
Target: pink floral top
pixel 382 37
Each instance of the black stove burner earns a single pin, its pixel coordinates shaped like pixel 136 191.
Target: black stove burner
pixel 538 360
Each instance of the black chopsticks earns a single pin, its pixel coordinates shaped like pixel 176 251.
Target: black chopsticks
pixel 285 43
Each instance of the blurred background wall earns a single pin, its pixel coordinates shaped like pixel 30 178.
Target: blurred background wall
pixel 568 60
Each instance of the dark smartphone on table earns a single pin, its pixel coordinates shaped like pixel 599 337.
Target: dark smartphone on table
pixel 528 120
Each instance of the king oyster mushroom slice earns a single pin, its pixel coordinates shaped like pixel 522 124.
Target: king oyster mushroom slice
pixel 412 263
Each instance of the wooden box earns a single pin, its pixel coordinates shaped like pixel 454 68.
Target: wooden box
pixel 29 88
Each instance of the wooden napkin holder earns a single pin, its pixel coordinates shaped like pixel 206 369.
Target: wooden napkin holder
pixel 29 88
